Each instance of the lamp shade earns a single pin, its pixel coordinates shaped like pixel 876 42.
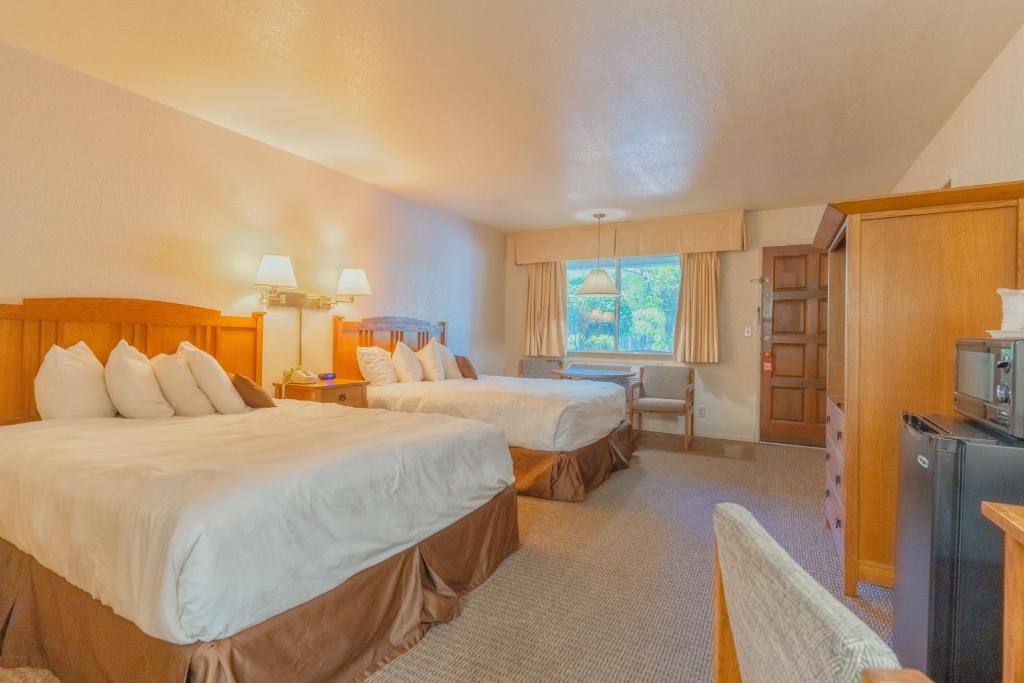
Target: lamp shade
pixel 598 283
pixel 353 282
pixel 276 271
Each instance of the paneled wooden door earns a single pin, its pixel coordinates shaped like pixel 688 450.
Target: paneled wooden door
pixel 794 324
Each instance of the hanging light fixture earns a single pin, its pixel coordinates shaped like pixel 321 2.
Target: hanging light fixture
pixel 598 281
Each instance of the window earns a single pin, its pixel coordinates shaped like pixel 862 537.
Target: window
pixel 641 319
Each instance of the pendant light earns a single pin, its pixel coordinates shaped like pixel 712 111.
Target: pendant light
pixel 598 281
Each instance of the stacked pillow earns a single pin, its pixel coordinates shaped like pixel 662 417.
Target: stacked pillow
pixel 72 383
pixel 432 363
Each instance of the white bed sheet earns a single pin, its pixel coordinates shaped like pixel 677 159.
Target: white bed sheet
pixel 196 528
pixel 540 414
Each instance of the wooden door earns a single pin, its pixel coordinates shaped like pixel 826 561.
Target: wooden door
pixel 794 328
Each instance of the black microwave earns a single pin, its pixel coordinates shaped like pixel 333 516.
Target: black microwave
pixel 989 377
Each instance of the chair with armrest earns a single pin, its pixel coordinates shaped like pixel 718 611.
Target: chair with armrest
pixel 665 390
pixel 773 622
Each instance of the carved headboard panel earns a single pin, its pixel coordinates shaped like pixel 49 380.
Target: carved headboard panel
pixel 27 332
pixel 384 332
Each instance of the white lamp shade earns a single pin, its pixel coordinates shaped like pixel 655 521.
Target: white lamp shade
pixel 276 271
pixel 353 282
pixel 598 283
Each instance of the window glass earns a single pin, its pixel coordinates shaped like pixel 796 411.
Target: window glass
pixel 641 319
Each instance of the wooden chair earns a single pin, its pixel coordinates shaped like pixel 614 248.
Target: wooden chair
pixel 773 622
pixel 665 390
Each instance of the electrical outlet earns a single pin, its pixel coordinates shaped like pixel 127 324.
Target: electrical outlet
pixel 700 411
pixel 748 331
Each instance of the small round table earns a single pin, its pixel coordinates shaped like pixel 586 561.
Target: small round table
pixel 594 374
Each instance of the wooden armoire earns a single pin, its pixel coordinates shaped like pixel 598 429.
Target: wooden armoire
pixel 908 274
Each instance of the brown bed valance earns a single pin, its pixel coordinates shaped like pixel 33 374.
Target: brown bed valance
pixel 722 231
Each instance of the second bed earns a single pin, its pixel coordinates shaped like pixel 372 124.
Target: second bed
pixel 565 437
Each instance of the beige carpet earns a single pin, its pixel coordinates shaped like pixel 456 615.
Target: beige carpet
pixel 618 588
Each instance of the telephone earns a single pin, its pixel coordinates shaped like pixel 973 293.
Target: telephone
pixel 299 375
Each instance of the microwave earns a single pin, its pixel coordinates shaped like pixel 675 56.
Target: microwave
pixel 989 379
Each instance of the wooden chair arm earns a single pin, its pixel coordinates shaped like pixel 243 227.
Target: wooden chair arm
pixel 633 391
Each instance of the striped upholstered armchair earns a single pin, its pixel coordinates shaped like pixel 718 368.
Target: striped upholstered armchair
pixel 773 622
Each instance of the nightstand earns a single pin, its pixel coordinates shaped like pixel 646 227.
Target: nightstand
pixel 346 392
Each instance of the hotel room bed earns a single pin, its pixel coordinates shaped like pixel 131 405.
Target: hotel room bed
pixel 565 437
pixel 306 542
pixel 230 541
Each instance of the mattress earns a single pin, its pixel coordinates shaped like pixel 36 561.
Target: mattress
pixel 539 414
pixel 197 528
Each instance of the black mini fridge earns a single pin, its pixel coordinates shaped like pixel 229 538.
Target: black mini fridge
pixel 948 599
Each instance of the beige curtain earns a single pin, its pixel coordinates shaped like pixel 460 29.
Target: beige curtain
pixel 697 316
pixel 545 309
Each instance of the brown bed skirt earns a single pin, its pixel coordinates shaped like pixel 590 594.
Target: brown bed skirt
pixel 342 635
pixel 570 475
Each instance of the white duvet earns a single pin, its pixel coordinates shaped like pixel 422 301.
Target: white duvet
pixel 540 414
pixel 196 528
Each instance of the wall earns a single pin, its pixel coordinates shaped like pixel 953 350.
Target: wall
pixel 983 141
pixel 106 193
pixel 729 390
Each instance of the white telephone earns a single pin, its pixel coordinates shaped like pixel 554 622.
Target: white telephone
pixel 299 375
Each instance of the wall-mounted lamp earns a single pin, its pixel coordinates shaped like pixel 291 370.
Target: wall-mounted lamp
pixel 274 274
pixel 351 284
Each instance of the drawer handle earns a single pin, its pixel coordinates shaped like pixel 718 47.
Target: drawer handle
pixel 827 456
pixel 342 397
pixel 839 523
pixel 839 435
pixel 827 493
pixel 837 480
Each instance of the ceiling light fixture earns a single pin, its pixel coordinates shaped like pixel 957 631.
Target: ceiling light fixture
pixel 598 281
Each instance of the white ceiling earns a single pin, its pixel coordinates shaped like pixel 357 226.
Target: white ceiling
pixel 523 113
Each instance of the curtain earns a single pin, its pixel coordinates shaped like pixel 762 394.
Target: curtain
pixel 545 309
pixel 697 316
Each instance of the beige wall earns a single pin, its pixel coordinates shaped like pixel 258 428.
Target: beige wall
pixel 983 141
pixel 106 193
pixel 728 391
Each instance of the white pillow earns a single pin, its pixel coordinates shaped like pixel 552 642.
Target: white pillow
pixel 212 379
pixel 132 385
pixel 451 367
pixel 430 358
pixel 70 384
pixel 407 366
pixel 375 364
pixel 179 386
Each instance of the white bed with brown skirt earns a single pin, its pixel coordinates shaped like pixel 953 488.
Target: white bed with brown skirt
pixel 304 542
pixel 565 437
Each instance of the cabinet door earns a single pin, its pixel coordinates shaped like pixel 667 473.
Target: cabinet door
pixel 918 282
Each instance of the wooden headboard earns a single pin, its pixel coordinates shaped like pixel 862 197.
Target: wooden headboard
pixel 384 332
pixel 28 330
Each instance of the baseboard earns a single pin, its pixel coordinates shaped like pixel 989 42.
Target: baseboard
pixel 876 573
pixel 704 435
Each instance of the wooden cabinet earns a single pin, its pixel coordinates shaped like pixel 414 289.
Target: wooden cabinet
pixel 908 275
pixel 346 392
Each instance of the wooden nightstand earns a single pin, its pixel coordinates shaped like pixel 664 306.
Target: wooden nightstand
pixel 346 392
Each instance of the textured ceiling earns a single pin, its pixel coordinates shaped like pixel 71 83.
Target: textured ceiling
pixel 524 113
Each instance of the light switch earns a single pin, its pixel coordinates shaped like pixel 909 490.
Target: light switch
pixel 748 331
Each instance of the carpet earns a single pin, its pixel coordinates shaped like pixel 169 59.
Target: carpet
pixel 618 588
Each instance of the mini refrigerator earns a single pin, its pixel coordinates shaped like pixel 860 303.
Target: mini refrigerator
pixel 948 598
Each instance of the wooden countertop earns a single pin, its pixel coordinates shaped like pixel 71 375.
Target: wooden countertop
pixel 1009 518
